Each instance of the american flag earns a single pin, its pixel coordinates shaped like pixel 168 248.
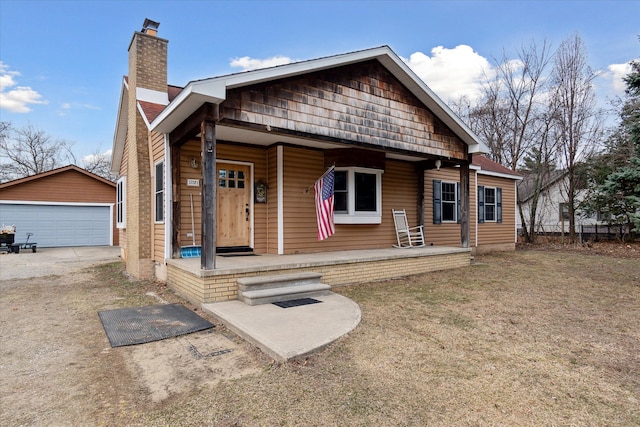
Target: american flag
pixel 324 204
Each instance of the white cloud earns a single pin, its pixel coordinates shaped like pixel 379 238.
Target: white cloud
pixel 614 75
pixel 94 158
pixel 247 63
pixel 16 98
pixel 66 107
pixel 452 73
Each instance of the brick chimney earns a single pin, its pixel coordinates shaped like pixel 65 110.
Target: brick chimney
pixel 147 77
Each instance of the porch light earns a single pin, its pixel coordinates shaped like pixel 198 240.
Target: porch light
pixel 438 164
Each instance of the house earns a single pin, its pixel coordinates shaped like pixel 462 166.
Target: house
pixel 67 206
pixel 552 210
pixel 228 164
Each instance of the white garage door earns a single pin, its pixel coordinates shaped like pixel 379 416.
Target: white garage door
pixel 59 225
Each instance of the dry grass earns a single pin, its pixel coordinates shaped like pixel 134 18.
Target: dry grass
pixel 526 338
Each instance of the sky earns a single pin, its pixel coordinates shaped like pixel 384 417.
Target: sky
pixel 62 62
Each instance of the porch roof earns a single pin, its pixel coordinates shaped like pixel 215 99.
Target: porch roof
pixel 214 90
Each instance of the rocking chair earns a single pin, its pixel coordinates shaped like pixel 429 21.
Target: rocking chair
pixel 408 237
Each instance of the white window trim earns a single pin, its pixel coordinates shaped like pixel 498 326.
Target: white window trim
pixel 353 217
pixel 494 204
pixel 155 192
pixel 122 184
pixel 455 203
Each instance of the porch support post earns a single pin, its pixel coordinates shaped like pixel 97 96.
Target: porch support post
pixel 464 204
pixel 175 204
pixel 420 170
pixel 208 148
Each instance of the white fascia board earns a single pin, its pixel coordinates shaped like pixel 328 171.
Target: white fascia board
pixel 499 175
pixel 187 101
pixel 48 203
pixel 120 135
pixel 303 67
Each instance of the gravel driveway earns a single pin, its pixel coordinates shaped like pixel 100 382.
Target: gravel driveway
pixel 54 261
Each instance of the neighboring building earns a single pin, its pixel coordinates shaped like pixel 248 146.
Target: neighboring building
pixel 552 212
pixel 68 206
pixel 230 162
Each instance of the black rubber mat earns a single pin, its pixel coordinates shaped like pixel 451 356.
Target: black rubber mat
pixel 138 325
pixel 235 254
pixel 296 302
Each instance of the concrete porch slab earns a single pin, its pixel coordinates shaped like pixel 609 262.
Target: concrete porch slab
pixel 289 333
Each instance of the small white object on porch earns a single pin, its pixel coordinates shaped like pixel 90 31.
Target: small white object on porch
pixel 408 237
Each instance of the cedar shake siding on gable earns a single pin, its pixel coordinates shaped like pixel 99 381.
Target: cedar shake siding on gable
pixel 361 104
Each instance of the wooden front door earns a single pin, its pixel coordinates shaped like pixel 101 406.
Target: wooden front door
pixel 234 205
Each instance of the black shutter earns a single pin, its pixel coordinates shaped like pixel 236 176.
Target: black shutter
pixel 480 204
pixel 437 201
pixel 498 204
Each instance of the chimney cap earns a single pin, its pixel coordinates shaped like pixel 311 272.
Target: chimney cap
pixel 150 27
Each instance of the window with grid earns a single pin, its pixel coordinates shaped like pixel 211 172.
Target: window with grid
pixel 121 211
pixel 489 204
pixel 159 192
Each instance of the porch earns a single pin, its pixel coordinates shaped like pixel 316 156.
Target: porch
pixel 338 268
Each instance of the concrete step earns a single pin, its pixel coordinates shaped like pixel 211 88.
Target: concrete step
pixel 271 295
pixel 269 289
pixel 277 281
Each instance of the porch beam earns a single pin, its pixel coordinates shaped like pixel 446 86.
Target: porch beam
pixel 464 204
pixel 188 129
pixel 208 212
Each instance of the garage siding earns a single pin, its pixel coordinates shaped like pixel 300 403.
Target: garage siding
pixel 59 225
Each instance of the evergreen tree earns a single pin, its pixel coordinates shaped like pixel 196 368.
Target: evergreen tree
pixel 619 192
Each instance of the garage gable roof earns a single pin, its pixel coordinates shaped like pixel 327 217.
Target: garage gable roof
pixel 54 172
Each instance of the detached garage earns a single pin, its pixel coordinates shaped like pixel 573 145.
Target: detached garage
pixel 68 206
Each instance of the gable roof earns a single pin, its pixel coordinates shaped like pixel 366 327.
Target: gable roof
pixel 54 172
pixel 527 186
pixel 213 90
pixel 489 167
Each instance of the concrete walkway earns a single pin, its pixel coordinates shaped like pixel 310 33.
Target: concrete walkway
pixel 289 333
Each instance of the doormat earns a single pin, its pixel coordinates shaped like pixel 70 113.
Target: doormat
pixel 139 325
pixel 296 302
pixel 229 255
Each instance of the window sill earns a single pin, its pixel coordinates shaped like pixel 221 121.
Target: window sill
pixel 357 219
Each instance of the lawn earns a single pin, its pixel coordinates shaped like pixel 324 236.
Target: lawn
pixel 527 338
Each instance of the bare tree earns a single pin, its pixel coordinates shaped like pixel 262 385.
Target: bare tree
pixel 29 151
pixel 512 111
pixel 539 164
pixel 514 119
pixel 576 121
pixel 99 163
